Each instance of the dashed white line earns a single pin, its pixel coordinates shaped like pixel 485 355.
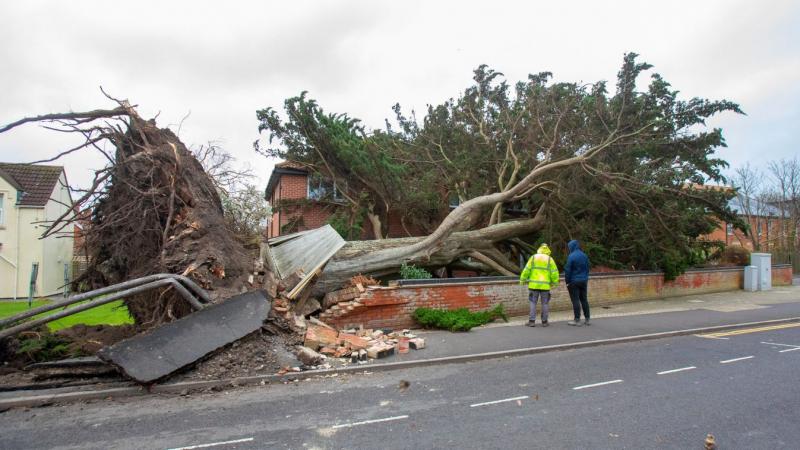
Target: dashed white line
pixel 213 444
pixel 677 370
pixel 736 359
pixel 789 350
pixel 367 422
pixel 576 388
pixel 782 345
pixel 499 401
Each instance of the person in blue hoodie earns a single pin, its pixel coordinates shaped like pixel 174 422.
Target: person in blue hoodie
pixel 576 275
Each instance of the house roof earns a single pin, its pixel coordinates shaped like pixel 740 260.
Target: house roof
pixel 742 205
pixel 34 181
pixel 283 168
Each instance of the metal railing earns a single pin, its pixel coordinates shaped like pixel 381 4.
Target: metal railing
pixel 185 287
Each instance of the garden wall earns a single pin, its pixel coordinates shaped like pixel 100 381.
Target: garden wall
pixel 392 307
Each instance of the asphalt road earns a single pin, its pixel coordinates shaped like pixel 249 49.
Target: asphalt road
pixel 666 393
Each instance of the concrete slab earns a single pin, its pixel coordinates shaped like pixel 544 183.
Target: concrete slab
pixel 166 349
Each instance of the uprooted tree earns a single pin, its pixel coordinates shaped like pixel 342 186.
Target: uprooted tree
pixel 152 209
pixel 624 172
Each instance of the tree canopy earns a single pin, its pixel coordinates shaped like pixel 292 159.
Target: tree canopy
pixel 625 172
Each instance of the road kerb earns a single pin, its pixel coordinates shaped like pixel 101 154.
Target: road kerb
pixel 174 388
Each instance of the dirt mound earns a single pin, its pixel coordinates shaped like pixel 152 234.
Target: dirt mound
pixel 88 339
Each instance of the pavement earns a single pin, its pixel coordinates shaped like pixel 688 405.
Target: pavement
pixel 610 325
pixel 740 386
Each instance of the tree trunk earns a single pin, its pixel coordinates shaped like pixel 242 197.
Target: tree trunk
pixel 370 257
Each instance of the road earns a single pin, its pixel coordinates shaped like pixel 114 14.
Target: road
pixel 740 386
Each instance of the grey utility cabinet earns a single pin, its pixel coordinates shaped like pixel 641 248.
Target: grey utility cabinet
pixel 763 264
pixel 750 278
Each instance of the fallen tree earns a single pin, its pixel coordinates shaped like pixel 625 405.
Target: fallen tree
pixel 151 209
pixel 578 163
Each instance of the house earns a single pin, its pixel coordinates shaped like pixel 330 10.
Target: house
pixel 766 227
pixel 31 196
pixel 302 200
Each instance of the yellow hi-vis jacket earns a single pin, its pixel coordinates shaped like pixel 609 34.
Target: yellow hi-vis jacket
pixel 541 271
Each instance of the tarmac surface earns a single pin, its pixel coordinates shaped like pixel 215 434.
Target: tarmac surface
pixel 741 386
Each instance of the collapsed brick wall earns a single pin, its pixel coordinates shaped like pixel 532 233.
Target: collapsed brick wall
pixel 392 307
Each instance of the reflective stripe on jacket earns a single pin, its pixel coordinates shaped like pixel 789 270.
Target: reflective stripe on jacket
pixel 541 272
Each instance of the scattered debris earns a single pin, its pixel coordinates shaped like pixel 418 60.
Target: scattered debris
pixel 309 357
pixel 357 345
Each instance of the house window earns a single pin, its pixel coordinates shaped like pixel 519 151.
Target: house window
pixel 320 188
pixel 759 228
pixel 2 209
pixel 729 229
pixel 453 201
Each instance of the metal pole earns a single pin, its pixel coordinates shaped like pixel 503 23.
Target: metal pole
pixel 101 301
pixel 108 289
pixel 34 276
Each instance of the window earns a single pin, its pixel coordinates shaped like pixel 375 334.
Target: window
pixel 759 229
pixel 729 229
pixel 320 188
pixel 2 210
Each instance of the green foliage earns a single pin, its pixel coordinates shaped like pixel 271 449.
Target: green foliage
pixel 641 203
pixel 412 272
pixel 457 319
pixel 44 347
pixel 349 226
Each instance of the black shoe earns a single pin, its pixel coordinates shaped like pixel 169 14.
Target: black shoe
pixel 545 324
pixel 586 322
pixel 530 323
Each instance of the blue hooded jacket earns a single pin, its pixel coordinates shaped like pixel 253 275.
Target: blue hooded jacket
pixel 577 267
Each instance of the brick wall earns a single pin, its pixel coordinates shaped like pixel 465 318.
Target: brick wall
pixel 391 307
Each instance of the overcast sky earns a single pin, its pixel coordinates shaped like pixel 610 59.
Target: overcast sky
pixel 219 64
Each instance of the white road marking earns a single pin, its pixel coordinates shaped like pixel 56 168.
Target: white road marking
pixel 708 336
pixel 366 422
pixel 789 350
pixel 677 370
pixel 213 444
pixel 596 384
pixel 782 345
pixel 736 359
pixel 499 401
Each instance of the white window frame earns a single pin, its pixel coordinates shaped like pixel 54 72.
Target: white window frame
pixel 337 196
pixel 2 208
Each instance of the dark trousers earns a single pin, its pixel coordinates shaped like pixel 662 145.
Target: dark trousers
pixel 533 296
pixel 578 293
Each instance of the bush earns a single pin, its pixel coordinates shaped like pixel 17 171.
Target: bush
pixel 412 272
pixel 457 319
pixel 44 347
pixel 735 254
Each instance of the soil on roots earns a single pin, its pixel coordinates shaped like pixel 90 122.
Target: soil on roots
pixel 161 213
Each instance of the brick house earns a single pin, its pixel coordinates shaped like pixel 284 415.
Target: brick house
pixel 304 201
pixel 766 225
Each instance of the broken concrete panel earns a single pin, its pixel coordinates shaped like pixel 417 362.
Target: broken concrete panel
pixel 173 346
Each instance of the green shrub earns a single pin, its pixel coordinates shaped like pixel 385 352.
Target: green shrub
pixel 44 347
pixel 412 272
pixel 457 319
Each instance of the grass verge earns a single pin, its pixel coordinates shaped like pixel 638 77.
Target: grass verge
pixel 114 313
